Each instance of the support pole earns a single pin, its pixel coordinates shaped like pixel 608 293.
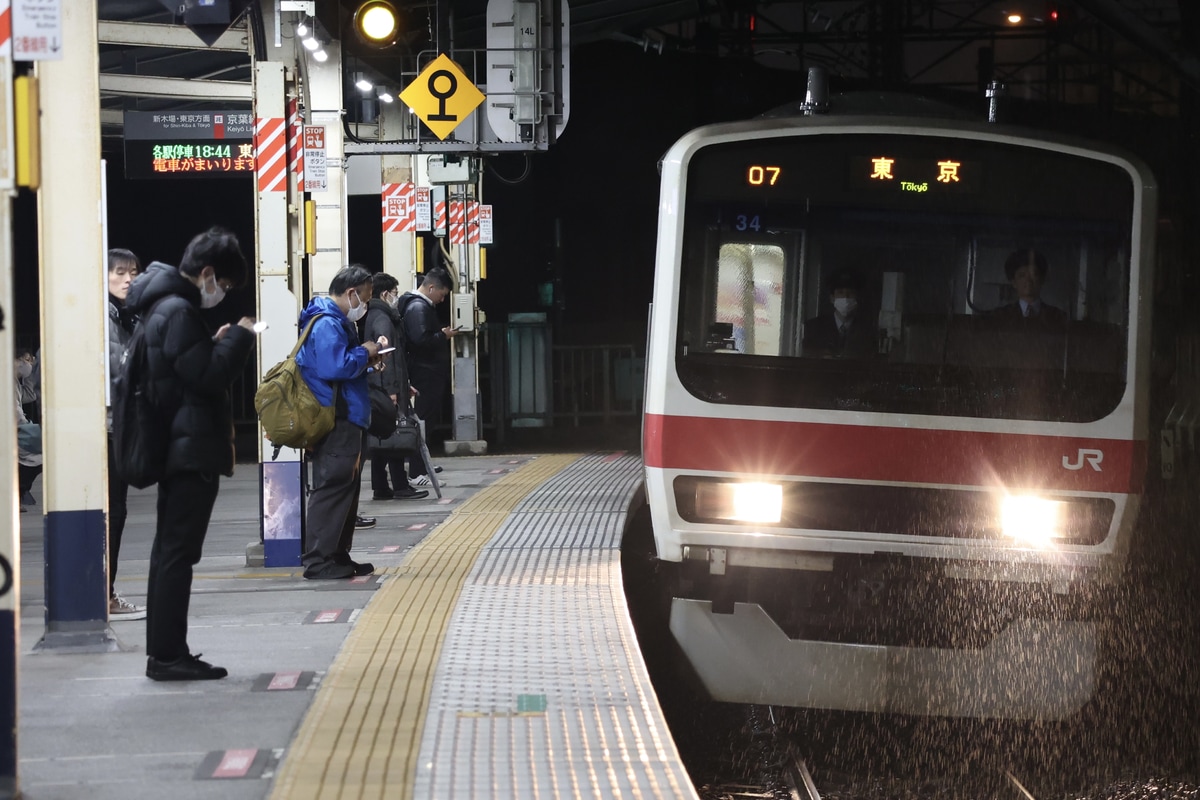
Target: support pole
pixel 325 98
pixel 73 300
pixel 10 530
pixel 399 247
pixel 282 539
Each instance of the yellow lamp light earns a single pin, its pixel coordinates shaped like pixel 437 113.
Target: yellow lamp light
pixel 377 22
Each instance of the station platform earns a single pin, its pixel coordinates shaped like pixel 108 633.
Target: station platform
pixel 490 656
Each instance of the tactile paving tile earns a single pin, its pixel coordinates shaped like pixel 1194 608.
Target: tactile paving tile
pixel 540 690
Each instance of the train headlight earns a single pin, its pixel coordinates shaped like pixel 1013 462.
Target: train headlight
pixel 1031 519
pixel 741 502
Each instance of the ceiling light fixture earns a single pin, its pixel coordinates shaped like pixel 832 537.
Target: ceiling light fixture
pixel 377 23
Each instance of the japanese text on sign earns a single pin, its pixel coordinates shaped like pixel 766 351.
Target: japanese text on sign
pixel 316 162
pixel 197 158
pixel 424 209
pixel 916 175
pixel 37 30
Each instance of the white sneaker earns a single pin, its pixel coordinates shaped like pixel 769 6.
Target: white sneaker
pixel 120 608
pixel 421 481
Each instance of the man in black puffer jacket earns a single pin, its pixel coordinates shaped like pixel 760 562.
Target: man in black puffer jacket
pixel 427 355
pixel 191 370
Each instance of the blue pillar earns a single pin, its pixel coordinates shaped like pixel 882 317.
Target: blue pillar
pixel 76 578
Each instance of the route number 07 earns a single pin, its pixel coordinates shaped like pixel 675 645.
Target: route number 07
pixel 757 176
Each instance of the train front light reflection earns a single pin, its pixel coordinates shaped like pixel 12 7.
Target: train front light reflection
pixel 1031 519
pixel 741 502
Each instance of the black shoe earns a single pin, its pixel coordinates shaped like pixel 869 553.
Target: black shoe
pixel 329 571
pixel 364 568
pixel 364 522
pixel 187 668
pixel 384 495
pixel 409 494
pixel 437 468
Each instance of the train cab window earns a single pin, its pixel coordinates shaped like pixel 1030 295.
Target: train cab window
pixel 749 295
pixel 932 261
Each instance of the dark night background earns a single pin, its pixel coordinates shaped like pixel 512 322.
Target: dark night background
pixel 585 215
pixel 598 186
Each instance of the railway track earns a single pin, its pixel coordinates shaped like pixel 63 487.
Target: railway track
pixel 795 781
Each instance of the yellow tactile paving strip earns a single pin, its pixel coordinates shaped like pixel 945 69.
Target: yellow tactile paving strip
pixel 362 733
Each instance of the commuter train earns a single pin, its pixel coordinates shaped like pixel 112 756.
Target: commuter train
pixel 933 523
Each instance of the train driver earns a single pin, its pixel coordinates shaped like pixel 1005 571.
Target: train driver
pixel 842 329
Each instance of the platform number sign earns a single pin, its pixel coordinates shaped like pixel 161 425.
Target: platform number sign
pixel 442 96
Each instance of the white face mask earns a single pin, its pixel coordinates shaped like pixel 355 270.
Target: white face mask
pixel 356 311
pixel 845 305
pixel 211 297
pixel 394 300
pixel 24 369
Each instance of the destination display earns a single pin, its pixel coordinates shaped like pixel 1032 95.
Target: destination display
pixel 195 144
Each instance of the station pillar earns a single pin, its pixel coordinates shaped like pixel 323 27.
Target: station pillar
pixel 72 269
pixel 10 530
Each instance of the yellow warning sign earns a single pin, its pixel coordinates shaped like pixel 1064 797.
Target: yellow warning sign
pixel 442 96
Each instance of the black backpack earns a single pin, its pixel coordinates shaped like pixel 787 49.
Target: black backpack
pixel 384 414
pixel 140 437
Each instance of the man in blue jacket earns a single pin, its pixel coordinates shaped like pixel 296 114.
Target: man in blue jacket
pixel 334 365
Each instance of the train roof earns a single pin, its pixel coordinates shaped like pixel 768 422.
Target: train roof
pixel 878 103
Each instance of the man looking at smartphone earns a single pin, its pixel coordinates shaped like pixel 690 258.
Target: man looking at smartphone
pixel 334 366
pixel 189 371
pixel 427 355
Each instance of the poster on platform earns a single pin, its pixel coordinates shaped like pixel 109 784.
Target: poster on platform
pixel 282 499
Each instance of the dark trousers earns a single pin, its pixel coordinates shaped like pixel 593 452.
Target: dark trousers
pixel 428 405
pixel 118 491
pixel 185 503
pixel 333 501
pixel 25 478
pixel 380 466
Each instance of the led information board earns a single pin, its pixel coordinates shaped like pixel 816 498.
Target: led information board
pixel 192 144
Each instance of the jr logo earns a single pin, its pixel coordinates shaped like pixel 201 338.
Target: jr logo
pixel 1091 457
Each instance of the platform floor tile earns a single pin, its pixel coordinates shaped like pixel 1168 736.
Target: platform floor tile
pixel 498 660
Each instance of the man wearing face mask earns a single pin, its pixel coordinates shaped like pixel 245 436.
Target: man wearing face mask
pixel 334 366
pixel 190 369
pixel 382 324
pixel 841 330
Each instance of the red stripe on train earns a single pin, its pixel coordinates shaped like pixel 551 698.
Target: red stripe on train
pixel 905 455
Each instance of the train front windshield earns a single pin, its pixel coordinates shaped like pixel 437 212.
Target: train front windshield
pixel 922 227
